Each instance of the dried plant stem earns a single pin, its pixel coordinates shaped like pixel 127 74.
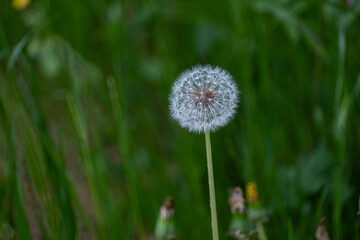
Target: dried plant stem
pixel 214 224
pixel 261 231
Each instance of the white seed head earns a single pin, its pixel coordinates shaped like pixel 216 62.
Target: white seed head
pixel 203 98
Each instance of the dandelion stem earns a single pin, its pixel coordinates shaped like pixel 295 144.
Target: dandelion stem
pixel 261 230
pixel 214 224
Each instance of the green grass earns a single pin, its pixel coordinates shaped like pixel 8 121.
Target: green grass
pixel 87 147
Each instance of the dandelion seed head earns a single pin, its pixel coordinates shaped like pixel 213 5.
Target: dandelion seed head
pixel 203 98
pixel 237 200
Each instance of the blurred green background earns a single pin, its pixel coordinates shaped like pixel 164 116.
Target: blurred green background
pixel 88 149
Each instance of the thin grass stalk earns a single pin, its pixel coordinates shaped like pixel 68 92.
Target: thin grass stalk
pixel 89 167
pixel 214 224
pixel 339 181
pixel 122 135
pixel 261 230
pixel 23 230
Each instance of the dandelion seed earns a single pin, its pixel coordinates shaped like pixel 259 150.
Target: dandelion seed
pixel 203 99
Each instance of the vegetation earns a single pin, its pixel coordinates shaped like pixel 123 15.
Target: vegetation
pixel 87 146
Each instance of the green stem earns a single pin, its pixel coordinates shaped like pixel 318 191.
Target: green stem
pixel 261 231
pixel 214 224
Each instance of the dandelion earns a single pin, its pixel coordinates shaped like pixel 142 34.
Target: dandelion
pixel 165 228
pixel 256 212
pixel 240 226
pixel 202 100
pixel 20 4
pixel 252 194
pixel 321 233
pixel 237 200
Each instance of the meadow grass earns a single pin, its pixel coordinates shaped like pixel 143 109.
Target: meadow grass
pixel 87 146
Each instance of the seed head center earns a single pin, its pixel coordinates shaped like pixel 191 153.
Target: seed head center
pixel 203 97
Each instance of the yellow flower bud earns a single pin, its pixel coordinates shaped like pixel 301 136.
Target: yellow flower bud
pixel 251 192
pixel 20 4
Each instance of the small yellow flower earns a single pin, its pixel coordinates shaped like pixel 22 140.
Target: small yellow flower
pixel 20 4
pixel 252 194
